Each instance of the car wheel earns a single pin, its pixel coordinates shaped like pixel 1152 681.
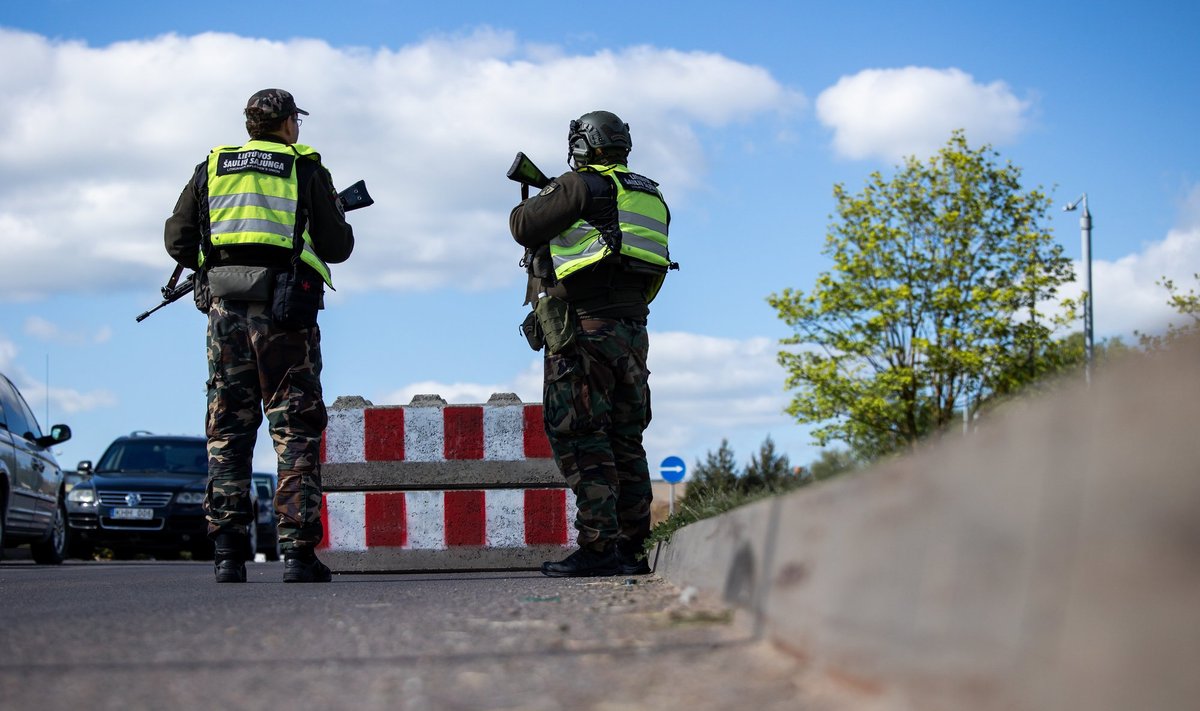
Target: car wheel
pixel 53 550
pixel 77 547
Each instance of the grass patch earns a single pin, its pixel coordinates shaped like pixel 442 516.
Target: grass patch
pixel 706 505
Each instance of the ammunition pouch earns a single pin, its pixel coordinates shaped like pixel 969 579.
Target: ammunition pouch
pixel 201 292
pixel 240 283
pixel 298 296
pixel 532 330
pixel 557 323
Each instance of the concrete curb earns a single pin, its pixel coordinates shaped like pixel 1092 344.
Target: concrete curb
pixel 1049 560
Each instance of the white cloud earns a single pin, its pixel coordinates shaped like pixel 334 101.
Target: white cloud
pixel 33 390
pixel 707 389
pixel 68 400
pixel 1126 293
pixel 44 330
pixel 96 142
pixel 453 393
pixel 8 354
pixel 703 389
pixel 892 113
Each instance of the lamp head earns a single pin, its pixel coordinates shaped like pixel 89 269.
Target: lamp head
pixel 1070 207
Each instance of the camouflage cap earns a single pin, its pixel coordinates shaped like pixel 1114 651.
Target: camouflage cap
pixel 273 104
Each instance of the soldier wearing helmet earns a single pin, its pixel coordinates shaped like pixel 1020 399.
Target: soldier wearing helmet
pixel 597 238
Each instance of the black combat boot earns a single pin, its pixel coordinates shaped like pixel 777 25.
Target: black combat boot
pixel 584 563
pixel 631 558
pixel 303 567
pixel 229 556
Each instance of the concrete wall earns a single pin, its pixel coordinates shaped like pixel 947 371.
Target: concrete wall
pixel 1048 560
pixel 432 486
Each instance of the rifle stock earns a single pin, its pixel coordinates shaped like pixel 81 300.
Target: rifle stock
pixel 527 174
pixel 355 197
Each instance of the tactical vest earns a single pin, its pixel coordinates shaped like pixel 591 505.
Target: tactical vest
pixel 642 218
pixel 252 197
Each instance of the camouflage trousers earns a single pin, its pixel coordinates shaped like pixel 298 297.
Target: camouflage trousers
pixel 597 404
pixel 254 365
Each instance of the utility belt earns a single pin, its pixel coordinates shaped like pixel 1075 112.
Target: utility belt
pixel 553 321
pixel 592 324
pixel 295 294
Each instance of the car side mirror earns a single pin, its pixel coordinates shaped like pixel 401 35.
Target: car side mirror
pixel 84 467
pixel 58 435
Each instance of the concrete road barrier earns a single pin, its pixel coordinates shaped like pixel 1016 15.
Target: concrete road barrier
pixel 432 486
pixel 1050 559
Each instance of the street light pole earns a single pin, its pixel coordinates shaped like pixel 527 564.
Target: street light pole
pixel 1085 233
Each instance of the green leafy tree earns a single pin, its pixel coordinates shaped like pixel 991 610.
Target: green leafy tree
pixel 1185 304
pixel 936 298
pixel 718 473
pixel 1062 357
pixel 768 470
pixel 1066 355
pixel 830 463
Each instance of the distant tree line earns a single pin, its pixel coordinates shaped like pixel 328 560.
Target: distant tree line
pixel 768 472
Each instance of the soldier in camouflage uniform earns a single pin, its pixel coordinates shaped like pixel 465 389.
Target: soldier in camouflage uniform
pixel 596 246
pixel 260 223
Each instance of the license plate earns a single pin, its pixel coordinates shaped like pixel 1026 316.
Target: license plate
pixel 133 514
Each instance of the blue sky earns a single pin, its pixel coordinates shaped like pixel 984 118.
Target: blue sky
pixel 746 114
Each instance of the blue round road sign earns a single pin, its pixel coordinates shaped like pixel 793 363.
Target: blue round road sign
pixel 672 470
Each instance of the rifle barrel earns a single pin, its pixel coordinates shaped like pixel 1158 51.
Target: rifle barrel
pixel 141 317
pixel 170 296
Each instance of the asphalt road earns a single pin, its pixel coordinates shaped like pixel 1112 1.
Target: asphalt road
pixel 163 635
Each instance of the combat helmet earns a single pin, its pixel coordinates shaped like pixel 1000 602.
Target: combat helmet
pixel 596 133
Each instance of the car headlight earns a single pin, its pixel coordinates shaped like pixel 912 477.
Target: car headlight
pixel 80 495
pixel 190 498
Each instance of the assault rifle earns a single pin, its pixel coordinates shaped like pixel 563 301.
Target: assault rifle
pixel 536 262
pixel 173 291
pixel 352 198
pixel 526 173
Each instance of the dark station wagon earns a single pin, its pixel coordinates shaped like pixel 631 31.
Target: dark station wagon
pixel 145 495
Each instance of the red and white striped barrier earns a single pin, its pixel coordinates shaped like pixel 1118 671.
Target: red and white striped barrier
pixel 431 486
pixel 439 520
pixel 504 432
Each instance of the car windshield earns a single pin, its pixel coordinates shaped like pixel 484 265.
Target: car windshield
pixel 170 456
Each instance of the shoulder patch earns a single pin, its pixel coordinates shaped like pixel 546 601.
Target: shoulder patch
pixel 550 187
pixel 267 162
pixel 640 183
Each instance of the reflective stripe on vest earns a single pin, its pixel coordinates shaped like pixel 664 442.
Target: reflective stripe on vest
pixel 253 194
pixel 643 225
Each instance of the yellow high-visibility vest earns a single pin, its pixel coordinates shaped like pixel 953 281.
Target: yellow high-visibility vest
pixel 252 198
pixel 642 216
